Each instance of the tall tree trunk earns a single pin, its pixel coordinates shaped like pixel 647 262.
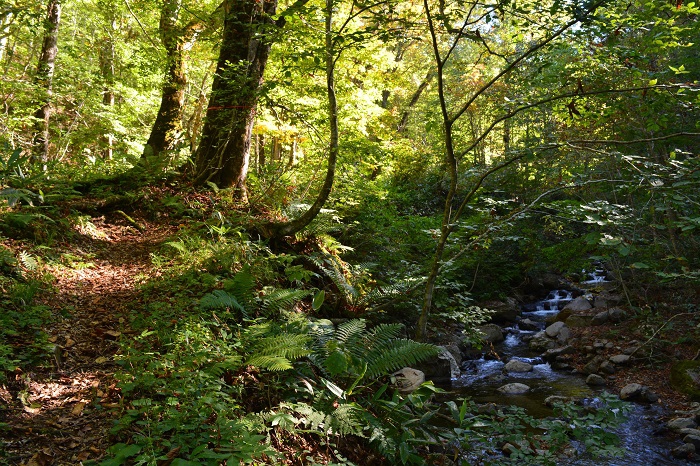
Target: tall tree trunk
pixel 5 20
pixel 414 100
pixel 107 55
pixel 299 223
pixel 166 134
pixel 44 80
pixel 224 151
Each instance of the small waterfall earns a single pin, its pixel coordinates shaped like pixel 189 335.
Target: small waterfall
pixel 481 378
pixel 599 275
pixel 554 302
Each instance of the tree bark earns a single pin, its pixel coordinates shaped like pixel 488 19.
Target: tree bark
pixel 44 80
pixel 107 56
pixel 166 134
pixel 5 20
pixel 224 151
pixel 414 100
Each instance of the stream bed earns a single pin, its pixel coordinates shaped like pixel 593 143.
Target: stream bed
pixel 481 378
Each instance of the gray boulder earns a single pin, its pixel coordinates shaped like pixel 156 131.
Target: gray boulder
pixel 553 330
pixel 440 369
pixel 527 324
pixel 637 392
pixel 579 320
pixel 492 333
pixel 620 359
pixel 599 301
pixel 606 367
pixel 514 389
pixel 685 451
pixel 515 365
pixel 504 312
pixel 681 423
pixel 685 378
pixel 616 315
pixel 578 304
pixel 558 331
pixel 595 380
pixel 541 343
pixel 631 391
pixel 408 379
pixel 552 354
pixel 600 318
pixel 694 439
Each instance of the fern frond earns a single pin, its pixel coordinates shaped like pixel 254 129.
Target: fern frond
pixel 386 292
pixel 12 196
pixel 221 300
pixel 277 352
pixel 397 354
pixel 277 301
pixel 345 420
pixel 382 335
pixel 7 258
pixel 28 261
pixel 273 363
pixel 311 417
pixel 350 331
pixel 231 363
pixel 291 346
pixel 242 287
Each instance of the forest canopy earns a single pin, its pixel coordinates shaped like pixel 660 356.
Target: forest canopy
pixel 397 161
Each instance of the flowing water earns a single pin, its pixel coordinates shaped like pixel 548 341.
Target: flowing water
pixel 480 380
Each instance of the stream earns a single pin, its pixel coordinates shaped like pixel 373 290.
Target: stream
pixel 481 378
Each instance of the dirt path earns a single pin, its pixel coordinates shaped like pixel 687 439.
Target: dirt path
pixel 61 415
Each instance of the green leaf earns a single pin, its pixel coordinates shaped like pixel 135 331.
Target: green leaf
pixel 318 300
pixel 336 363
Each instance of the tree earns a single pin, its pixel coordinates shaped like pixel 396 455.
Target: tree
pixel 224 151
pixel 44 80
pixel 166 134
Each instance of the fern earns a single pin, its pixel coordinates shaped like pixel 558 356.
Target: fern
pixel 28 261
pixel 276 352
pixel 353 351
pixel 242 287
pixel 14 196
pixel 221 300
pixel 345 420
pixel 334 268
pixel 7 259
pixel 388 358
pixel 276 301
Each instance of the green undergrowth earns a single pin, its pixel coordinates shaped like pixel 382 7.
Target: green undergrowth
pixel 22 340
pixel 235 362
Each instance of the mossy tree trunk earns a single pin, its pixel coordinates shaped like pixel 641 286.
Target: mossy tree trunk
pixel 167 131
pixel 44 80
pixel 224 150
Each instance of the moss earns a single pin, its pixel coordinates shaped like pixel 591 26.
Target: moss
pixel 685 378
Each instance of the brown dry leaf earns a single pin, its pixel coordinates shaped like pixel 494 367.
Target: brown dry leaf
pixel 41 458
pixel 34 408
pixel 112 334
pixel 101 360
pixel 69 342
pixel 78 408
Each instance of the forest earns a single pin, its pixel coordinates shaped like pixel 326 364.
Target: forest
pixel 349 232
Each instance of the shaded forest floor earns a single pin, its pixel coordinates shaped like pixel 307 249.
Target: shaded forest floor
pixel 61 414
